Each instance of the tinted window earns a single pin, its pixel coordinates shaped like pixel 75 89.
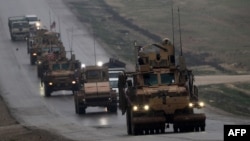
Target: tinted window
pixel 150 79
pixel 114 84
pixel 93 74
pixel 167 78
pixel 56 67
pixel 65 66
pixel 31 19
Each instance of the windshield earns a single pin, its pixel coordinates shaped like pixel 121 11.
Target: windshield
pixel 167 78
pixel 55 49
pixel 113 75
pixel 31 19
pixel 20 25
pixel 44 49
pixel 114 83
pixel 56 67
pixel 93 74
pixel 150 79
pixel 65 66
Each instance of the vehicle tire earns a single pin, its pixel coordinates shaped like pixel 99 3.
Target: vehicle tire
pixel 128 118
pixel 76 105
pixel 81 109
pixel 112 108
pixel 32 60
pixel 47 91
pixel 39 73
pixel 28 46
pixel 13 38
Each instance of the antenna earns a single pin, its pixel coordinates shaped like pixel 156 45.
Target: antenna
pixel 94 47
pixel 136 54
pixel 71 48
pixel 182 61
pixel 59 26
pixel 180 30
pixel 173 22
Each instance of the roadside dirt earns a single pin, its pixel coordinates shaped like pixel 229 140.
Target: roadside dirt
pixel 11 130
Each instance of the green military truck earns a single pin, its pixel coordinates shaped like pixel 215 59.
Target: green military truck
pixel 18 27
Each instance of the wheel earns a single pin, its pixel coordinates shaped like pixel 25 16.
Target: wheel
pixel 39 73
pixel 175 128
pixel 76 105
pixel 32 60
pixel 128 118
pixel 112 108
pixel 28 46
pixel 47 91
pixel 79 109
pixel 13 38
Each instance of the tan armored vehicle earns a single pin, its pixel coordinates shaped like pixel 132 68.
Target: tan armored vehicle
pixel 61 75
pixel 42 43
pixel 96 90
pixel 160 93
pixel 49 53
pixel 35 38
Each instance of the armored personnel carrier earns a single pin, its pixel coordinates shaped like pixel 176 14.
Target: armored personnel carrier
pixel 34 37
pixel 42 43
pixel 161 93
pixel 51 53
pixel 96 90
pixel 61 75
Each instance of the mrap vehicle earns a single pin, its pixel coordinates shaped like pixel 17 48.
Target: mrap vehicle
pixel 162 93
pixel 95 90
pixel 61 75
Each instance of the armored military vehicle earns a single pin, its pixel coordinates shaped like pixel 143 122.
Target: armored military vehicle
pixel 161 93
pixel 95 91
pixel 18 27
pixel 61 74
pixel 35 37
pixel 43 44
pixel 51 53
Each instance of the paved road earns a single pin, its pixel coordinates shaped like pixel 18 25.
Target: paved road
pixel 24 95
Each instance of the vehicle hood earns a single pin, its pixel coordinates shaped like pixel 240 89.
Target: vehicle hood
pixel 62 73
pixel 97 87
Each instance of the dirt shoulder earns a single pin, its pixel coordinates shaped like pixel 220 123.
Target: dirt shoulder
pixel 11 130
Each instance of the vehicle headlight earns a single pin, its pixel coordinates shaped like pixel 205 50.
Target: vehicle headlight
pixel 38 24
pixel 201 104
pixel 34 54
pixel 135 108
pixel 190 105
pixel 73 82
pixel 99 63
pixel 83 66
pixel 146 107
pixel 50 83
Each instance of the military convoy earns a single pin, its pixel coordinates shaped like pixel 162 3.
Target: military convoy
pixel 158 93
pixel 95 90
pixel 162 93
